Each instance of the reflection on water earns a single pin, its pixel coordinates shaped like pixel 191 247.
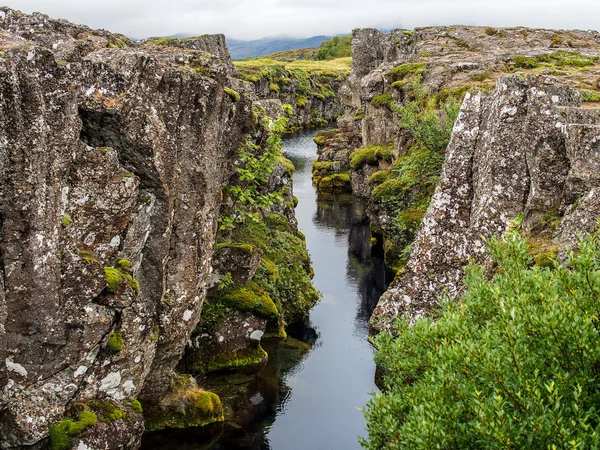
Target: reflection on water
pixel 308 395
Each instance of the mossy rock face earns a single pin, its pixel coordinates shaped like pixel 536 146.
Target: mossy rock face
pixel 246 358
pixel 63 432
pixel 254 299
pixel 106 411
pixel 118 277
pixel 184 406
pixel 371 155
pixel 339 182
pixel 289 166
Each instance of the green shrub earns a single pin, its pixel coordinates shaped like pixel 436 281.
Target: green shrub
pixel 513 364
pixel 336 47
pixel 429 127
pixel 491 31
pixel 371 155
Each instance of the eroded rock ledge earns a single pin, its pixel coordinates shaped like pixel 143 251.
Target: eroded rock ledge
pixel 528 149
pixel 112 157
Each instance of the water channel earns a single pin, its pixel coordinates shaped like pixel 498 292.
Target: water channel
pixel 309 394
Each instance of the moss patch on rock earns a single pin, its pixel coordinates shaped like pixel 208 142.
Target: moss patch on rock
pixel 115 342
pixel 116 277
pixel 371 155
pixel 62 433
pixel 185 406
pixel 289 166
pixel 253 299
pixel 246 358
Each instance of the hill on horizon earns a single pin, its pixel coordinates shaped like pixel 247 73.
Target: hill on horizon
pixel 243 49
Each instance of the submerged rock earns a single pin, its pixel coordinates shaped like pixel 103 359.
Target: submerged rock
pixel 525 149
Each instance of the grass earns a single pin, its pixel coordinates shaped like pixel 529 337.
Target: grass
pixel 264 68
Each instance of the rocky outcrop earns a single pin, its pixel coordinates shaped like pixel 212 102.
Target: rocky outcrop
pixel 112 159
pixel 309 97
pixel 526 150
pixel 426 68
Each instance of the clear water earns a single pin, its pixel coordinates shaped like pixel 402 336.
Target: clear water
pixel 309 394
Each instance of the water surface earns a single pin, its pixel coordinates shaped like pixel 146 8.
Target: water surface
pixel 309 394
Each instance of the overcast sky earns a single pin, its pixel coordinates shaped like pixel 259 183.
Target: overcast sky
pixel 302 18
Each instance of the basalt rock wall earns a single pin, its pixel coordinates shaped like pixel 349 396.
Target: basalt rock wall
pixel 112 158
pixel 527 149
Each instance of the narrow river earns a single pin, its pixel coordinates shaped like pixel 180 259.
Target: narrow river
pixel 309 395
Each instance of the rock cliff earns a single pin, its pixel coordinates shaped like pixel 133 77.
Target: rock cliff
pixel 428 70
pixel 306 89
pixel 525 150
pixel 112 159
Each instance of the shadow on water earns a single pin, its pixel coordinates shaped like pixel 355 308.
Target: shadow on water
pixel 308 394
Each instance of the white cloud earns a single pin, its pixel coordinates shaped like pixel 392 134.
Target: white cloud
pixel 250 20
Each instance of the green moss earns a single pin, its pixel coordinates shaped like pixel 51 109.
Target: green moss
pixel 371 155
pixel 115 276
pixel 379 177
pixel 106 411
pixel 556 59
pixel 408 70
pixel 589 96
pixel 234 360
pixel 115 342
pixel 288 109
pixel 252 298
pixel 235 96
pixel 383 100
pixel 66 220
pixel 321 166
pixel 271 269
pixel 136 406
pixel 196 408
pixel 273 87
pixel 123 263
pixel 360 114
pixel 301 101
pixel 62 433
pixel 295 201
pixel 289 166
pixel 340 181
pixel 241 246
pixel 322 136
pixel 293 291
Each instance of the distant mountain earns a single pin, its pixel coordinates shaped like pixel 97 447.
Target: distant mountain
pixel 268 45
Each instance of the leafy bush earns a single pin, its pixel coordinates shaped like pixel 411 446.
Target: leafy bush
pixel 514 364
pixel 246 198
pixel 336 47
pixel 430 128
